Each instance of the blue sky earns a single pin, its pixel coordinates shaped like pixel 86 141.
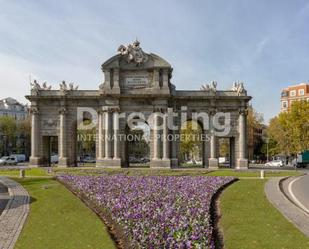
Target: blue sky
pixel 263 43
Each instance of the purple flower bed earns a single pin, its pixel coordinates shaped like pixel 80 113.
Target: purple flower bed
pixel 155 211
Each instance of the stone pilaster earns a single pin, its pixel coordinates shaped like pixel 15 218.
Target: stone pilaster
pixel 242 161
pixel 156 78
pixel 165 76
pixel 116 79
pixel 63 160
pixel 107 80
pixel 35 159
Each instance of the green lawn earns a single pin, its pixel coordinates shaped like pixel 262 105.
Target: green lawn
pixel 29 172
pixel 249 221
pixel 256 173
pixel 60 220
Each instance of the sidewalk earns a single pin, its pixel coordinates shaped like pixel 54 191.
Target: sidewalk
pixel 293 213
pixel 14 214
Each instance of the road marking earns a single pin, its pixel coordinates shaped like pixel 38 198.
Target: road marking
pixel 294 197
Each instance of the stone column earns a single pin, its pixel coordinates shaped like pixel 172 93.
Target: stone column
pixel 107 135
pixel 35 137
pixel 156 144
pixel 116 133
pixel 101 136
pixel 242 161
pixel 166 148
pixel 213 160
pixel 166 161
pixel 63 160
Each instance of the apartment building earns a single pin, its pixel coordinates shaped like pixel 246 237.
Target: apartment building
pixel 293 93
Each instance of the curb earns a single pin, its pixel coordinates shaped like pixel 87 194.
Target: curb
pixel 279 200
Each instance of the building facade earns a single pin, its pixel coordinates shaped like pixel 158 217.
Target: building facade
pixel 135 82
pixel 12 108
pixel 293 93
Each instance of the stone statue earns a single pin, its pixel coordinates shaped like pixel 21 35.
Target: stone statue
pixel 71 87
pixel 133 53
pixel 45 87
pixel 234 87
pixel 212 87
pixel 63 86
pixel 35 87
pixel 239 88
pixel 205 87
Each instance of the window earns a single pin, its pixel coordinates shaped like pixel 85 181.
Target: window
pixel 284 94
pixel 301 92
pixel 284 104
pixel 293 93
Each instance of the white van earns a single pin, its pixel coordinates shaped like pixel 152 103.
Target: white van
pixel 19 157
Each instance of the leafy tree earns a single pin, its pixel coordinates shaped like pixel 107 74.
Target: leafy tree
pixel 8 131
pixel 289 131
pixel 254 127
pixel 24 134
pixel 190 144
pixel 86 141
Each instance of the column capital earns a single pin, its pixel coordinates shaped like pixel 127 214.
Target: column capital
pixel 100 111
pixel 212 111
pixel 115 109
pixel 34 110
pixel 243 111
pixel 62 110
pixel 159 109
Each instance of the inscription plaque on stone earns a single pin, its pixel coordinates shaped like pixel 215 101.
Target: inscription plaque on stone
pixel 136 81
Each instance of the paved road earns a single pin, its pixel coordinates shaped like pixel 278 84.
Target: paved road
pixel 299 189
pixel 4 197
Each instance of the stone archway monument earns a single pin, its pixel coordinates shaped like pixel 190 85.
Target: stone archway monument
pixel 137 86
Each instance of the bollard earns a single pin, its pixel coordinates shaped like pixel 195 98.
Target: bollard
pixel 22 173
pixel 262 174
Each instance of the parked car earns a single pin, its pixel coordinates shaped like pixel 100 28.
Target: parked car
pixel 8 160
pixel 54 159
pixel 19 157
pixel 89 159
pixel 275 163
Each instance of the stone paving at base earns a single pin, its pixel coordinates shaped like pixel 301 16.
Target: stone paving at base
pixel 14 214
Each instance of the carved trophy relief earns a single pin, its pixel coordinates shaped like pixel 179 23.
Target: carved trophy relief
pixel 133 53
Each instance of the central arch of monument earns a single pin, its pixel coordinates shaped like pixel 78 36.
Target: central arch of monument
pixel 135 81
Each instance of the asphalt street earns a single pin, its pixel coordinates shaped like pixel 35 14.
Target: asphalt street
pixel 299 189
